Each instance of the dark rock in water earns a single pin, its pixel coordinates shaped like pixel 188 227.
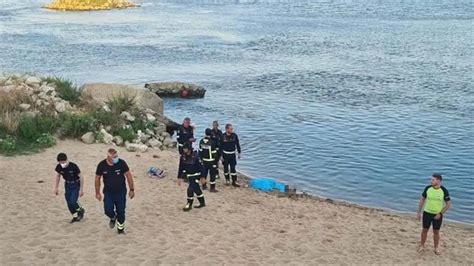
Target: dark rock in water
pixel 176 89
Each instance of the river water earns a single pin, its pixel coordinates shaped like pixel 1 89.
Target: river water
pixel 354 100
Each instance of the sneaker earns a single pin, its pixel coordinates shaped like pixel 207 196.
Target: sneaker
pixel 112 223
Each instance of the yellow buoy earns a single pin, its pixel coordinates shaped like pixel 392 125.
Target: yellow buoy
pixel 87 5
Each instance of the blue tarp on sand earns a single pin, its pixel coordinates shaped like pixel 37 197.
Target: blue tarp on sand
pixel 266 184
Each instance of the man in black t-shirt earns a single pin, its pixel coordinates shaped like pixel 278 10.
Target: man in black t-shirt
pixel 73 185
pixel 185 134
pixel 114 171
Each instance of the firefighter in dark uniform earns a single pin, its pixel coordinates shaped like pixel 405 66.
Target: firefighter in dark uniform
pixel 209 155
pixel 114 171
pixel 190 168
pixel 185 134
pixel 230 150
pixel 73 185
pixel 216 136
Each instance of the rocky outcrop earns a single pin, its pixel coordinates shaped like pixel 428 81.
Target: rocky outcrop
pixel 40 96
pixel 176 89
pixel 141 127
pixel 105 91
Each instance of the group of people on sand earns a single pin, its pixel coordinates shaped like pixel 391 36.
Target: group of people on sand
pixel 194 167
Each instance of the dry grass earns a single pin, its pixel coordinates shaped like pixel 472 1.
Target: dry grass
pixel 10 101
pixel 9 108
pixel 9 121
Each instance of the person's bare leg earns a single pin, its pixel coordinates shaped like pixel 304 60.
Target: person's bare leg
pixel 436 241
pixel 424 235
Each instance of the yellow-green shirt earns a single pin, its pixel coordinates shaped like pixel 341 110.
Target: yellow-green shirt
pixel 435 199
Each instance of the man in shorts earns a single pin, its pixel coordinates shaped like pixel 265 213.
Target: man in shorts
pixel 434 202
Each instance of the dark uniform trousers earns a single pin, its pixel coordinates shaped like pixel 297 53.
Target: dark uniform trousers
pixel 230 161
pixel 194 187
pixel 211 168
pixel 114 206
pixel 71 194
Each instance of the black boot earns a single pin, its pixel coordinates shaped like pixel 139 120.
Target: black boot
pixel 189 205
pixel 202 202
pixel 112 222
pixel 213 188
pixel 227 179
pixel 234 181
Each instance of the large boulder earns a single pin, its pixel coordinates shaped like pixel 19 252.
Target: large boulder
pixel 104 91
pixel 176 89
pixel 136 147
pixel 88 138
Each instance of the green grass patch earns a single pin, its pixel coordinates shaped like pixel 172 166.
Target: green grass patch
pixel 122 102
pixel 65 89
pixel 127 134
pixel 31 128
pixel 75 125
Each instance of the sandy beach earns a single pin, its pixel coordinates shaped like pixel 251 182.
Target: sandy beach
pixel 239 226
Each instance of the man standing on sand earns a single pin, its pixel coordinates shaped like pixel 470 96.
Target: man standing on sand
pixel 114 171
pixel 185 134
pixel 209 154
pixel 434 202
pixel 229 147
pixel 73 185
pixel 190 168
pixel 216 137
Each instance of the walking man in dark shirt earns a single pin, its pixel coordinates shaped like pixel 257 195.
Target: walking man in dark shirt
pixel 434 202
pixel 114 171
pixel 185 134
pixel 229 148
pixel 73 185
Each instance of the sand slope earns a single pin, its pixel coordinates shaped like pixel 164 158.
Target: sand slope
pixel 239 226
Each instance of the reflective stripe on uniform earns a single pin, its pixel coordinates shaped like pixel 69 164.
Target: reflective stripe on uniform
pixel 212 183
pixel 191 175
pixel 190 198
pixel 208 160
pixel 120 226
pixel 229 152
pixel 181 145
pixel 200 196
pixel 74 215
pixel 233 174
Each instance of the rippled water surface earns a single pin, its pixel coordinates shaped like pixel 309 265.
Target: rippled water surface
pixel 356 100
